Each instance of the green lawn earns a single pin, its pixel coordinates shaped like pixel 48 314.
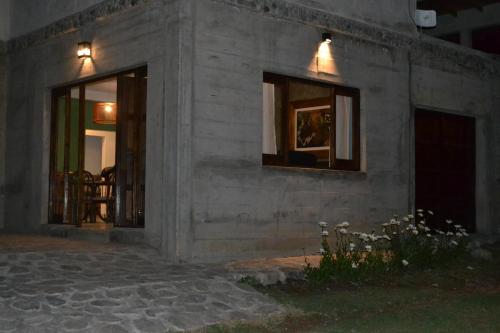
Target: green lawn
pixel 449 299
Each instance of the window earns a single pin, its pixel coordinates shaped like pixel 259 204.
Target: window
pixel 309 124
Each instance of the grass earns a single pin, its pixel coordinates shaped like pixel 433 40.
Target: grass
pixel 449 299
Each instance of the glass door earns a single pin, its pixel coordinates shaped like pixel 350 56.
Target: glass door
pixel 131 148
pixel 66 159
pixel 98 147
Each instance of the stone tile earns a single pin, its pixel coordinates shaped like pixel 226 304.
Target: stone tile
pixel 130 289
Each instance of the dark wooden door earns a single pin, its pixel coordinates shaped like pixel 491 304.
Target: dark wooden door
pixel 445 167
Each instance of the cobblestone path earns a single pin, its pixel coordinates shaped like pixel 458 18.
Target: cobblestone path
pixel 57 285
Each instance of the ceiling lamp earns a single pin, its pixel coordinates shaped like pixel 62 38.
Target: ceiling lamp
pixel 104 113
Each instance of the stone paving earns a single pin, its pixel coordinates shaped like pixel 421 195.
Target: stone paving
pixel 58 285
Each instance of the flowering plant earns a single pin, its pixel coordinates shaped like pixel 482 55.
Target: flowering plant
pixel 405 242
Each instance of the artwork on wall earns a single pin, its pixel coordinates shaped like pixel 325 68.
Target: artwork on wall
pixel 312 127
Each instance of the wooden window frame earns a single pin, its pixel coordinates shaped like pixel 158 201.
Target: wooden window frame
pixel 282 158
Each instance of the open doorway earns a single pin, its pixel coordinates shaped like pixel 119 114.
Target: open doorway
pixel 97 172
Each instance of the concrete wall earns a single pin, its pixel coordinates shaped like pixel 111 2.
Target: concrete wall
pixel 241 208
pixel 29 15
pixel 3 110
pixel 136 37
pixel 391 14
pixel 208 196
pixel 4 19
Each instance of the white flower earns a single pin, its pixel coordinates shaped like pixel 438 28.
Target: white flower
pixel 454 243
pixel 368 248
pixel 420 215
pixel 411 217
pixel 415 232
pixel 458 226
pixel 430 212
pixel 352 246
pixel 465 234
pixel 427 229
pixel 449 221
pixel 420 210
pixel 429 235
pixel 470 268
pixel 386 237
pixel 343 231
pixel 422 222
pixel 406 219
pixel 354 265
pixel 322 251
pixel 392 221
pixel 440 232
pixel 364 237
pixel 344 224
pixel 324 233
pixel 323 224
pixel 404 262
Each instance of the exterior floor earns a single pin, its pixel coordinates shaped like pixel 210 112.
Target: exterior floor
pixel 59 285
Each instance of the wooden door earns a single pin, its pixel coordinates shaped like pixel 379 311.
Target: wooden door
pixel 445 167
pixel 131 149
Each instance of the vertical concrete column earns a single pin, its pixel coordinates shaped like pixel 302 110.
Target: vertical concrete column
pixel 176 232
pixel 3 111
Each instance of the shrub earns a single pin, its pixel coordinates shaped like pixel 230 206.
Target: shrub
pixel 404 242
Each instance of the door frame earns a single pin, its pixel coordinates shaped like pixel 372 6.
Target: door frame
pixel 65 90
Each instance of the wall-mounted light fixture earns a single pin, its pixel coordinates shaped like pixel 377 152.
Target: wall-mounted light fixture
pixel 326 37
pixel 84 50
pixel 104 113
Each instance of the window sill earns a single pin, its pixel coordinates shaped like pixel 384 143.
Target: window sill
pixel 341 174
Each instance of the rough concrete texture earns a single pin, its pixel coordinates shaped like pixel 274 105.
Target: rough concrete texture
pixel 54 285
pixel 208 196
pixel 27 16
pixel 3 118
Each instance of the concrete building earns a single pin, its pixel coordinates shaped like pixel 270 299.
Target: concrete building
pixel 208 191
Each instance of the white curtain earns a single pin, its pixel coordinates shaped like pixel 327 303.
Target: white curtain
pixel 269 129
pixel 343 128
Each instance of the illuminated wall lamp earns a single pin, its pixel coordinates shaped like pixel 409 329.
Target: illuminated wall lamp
pixel 326 37
pixel 84 50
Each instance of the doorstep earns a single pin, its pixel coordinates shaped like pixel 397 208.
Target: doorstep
pixel 271 270
pixel 95 233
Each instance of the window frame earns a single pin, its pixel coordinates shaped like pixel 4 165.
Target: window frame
pixel 282 158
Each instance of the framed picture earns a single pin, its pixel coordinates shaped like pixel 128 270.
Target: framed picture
pixel 312 122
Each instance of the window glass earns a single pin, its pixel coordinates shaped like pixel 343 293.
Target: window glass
pixel 309 124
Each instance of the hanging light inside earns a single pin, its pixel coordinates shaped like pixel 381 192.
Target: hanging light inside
pixel 84 50
pixel 104 113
